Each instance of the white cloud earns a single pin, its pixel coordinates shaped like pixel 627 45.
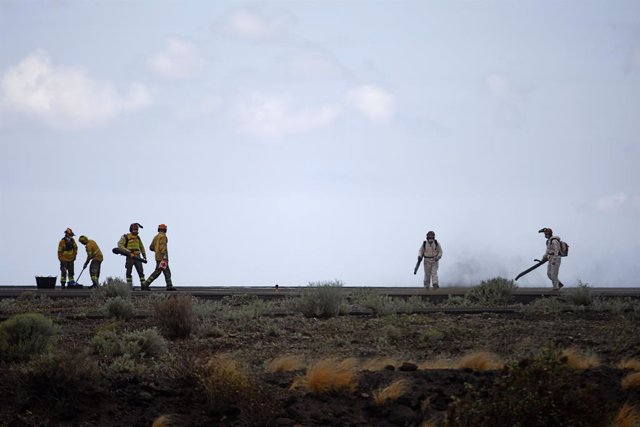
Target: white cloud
pixel 374 102
pixel 611 203
pixel 274 116
pixel 178 60
pixel 255 26
pixel 65 97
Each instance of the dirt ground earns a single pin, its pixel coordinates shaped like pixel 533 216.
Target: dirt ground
pixel 385 349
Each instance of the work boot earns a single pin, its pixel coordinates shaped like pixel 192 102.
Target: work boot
pixel 171 288
pixel 436 286
pixel 145 287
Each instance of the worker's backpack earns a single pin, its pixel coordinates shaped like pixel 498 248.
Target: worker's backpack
pixel 564 247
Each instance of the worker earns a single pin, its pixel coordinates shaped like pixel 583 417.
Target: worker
pixel 159 247
pixel 132 243
pixel 94 255
pixel 67 252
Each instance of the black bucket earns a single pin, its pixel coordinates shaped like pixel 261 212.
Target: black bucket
pixel 48 282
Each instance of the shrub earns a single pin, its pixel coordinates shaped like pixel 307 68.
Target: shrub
pixel 480 361
pixel 492 292
pixel 383 305
pixel 537 392
pixel 56 380
pixel 175 316
pixel 224 382
pixel 580 295
pixel 115 287
pixel 118 307
pixel 545 306
pixel 576 359
pixel 328 376
pixel 285 364
pixel 321 299
pixel 145 343
pixel 627 416
pixel 631 381
pixel 391 392
pixel 24 336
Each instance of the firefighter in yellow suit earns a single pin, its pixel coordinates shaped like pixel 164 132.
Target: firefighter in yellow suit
pixel 159 246
pixel 131 242
pixel 67 252
pixel 94 254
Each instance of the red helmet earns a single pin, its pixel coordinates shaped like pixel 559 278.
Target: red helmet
pixel 162 227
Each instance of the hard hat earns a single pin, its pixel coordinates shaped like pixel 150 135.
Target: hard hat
pixel 83 239
pixel 162 227
pixel 545 230
pixel 69 232
pixel 135 225
pixel 431 233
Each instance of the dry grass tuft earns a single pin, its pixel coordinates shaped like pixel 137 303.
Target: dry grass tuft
pixel 480 361
pixel 633 364
pixel 429 423
pixel 223 380
pixel 631 381
pixel 627 416
pixel 437 364
pixel 579 360
pixel 391 392
pixel 328 376
pixel 163 421
pixel 379 363
pixel 285 364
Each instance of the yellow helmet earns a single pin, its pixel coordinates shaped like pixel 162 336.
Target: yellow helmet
pixel 83 239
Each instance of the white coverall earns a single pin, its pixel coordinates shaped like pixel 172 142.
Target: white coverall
pixel 431 253
pixel 553 255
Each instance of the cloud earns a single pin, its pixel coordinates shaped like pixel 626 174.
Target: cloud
pixel 611 203
pixel 65 97
pixel 178 60
pixel 374 102
pixel 508 100
pixel 274 116
pixel 255 26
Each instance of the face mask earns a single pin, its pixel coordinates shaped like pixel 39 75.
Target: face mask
pixel 430 240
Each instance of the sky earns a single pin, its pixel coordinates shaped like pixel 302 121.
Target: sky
pixel 289 142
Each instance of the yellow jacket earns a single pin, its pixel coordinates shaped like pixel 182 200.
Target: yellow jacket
pixel 133 243
pixel 93 251
pixel 159 246
pixel 67 250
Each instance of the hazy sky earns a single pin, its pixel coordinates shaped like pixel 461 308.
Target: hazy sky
pixel 296 141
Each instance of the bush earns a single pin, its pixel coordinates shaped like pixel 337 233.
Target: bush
pixel 538 392
pixel 175 316
pixel 139 344
pixel 492 292
pixel 383 305
pixel 118 307
pixel 57 380
pixel 115 287
pixel 321 299
pixel 224 381
pixel 24 336
pixel 580 296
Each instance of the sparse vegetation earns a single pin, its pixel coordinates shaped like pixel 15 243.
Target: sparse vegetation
pixel 328 376
pixel 285 364
pixel 577 359
pixel 492 292
pixel 580 295
pixel 223 381
pixel 633 364
pixel 631 381
pixel 175 316
pixel 481 361
pixel 627 416
pixel 115 287
pixel 391 392
pixel 118 307
pixel 321 299
pixel 24 336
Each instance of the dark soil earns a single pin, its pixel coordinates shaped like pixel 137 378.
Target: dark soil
pixel 138 398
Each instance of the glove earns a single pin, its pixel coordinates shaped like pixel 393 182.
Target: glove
pixel 164 264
